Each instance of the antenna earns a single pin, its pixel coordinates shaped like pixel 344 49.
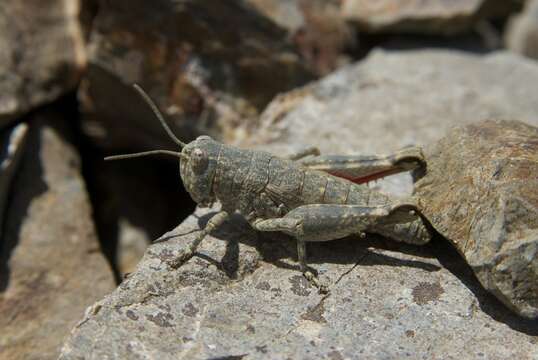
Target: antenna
pixel 158 114
pixel 146 153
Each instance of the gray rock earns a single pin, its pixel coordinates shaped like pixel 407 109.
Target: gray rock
pixel 400 99
pixel 12 144
pixel 522 31
pixel 242 295
pixel 206 75
pixel 422 16
pixel 395 99
pixel 480 192
pixel 42 53
pixel 287 14
pixel 317 27
pixel 51 267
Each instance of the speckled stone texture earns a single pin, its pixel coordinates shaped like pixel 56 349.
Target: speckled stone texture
pixel 242 296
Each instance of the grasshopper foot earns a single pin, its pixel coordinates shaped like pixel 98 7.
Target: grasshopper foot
pixel 314 281
pixel 185 255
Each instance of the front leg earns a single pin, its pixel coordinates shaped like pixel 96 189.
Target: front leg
pixel 213 223
pixel 326 222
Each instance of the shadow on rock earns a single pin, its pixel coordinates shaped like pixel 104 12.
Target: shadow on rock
pixel 27 185
pixel 453 262
pixel 274 247
pixel 229 263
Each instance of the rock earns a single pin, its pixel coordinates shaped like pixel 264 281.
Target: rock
pixel 433 90
pixel 317 27
pixel 242 295
pixel 410 98
pixel 394 99
pixel 287 14
pixel 12 144
pixel 522 32
pixel 41 53
pixel 51 265
pixel 488 205
pixel 207 76
pixel 419 16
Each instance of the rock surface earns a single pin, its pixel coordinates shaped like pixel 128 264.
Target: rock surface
pixel 51 267
pixel 522 32
pixel 242 297
pixel 422 16
pixel 288 14
pixel 41 53
pixel 400 98
pixel 317 27
pixel 488 206
pixel 206 75
pixel 12 144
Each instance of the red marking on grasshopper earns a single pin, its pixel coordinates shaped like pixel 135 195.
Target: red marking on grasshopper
pixel 367 178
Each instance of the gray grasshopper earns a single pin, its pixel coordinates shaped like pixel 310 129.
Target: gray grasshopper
pixel 308 196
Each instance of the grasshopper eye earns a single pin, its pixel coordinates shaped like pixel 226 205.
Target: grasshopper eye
pixel 199 161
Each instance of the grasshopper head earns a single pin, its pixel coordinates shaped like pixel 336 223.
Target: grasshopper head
pixel 198 158
pixel 197 169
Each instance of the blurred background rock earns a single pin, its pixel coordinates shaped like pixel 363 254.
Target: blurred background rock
pixel 390 73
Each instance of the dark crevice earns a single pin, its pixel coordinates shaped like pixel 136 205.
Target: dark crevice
pixel 145 193
pixel 485 37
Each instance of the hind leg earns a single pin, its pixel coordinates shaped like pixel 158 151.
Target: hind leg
pixel 304 152
pixel 361 169
pixel 325 222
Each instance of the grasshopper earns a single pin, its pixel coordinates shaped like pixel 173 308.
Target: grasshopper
pixel 306 195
